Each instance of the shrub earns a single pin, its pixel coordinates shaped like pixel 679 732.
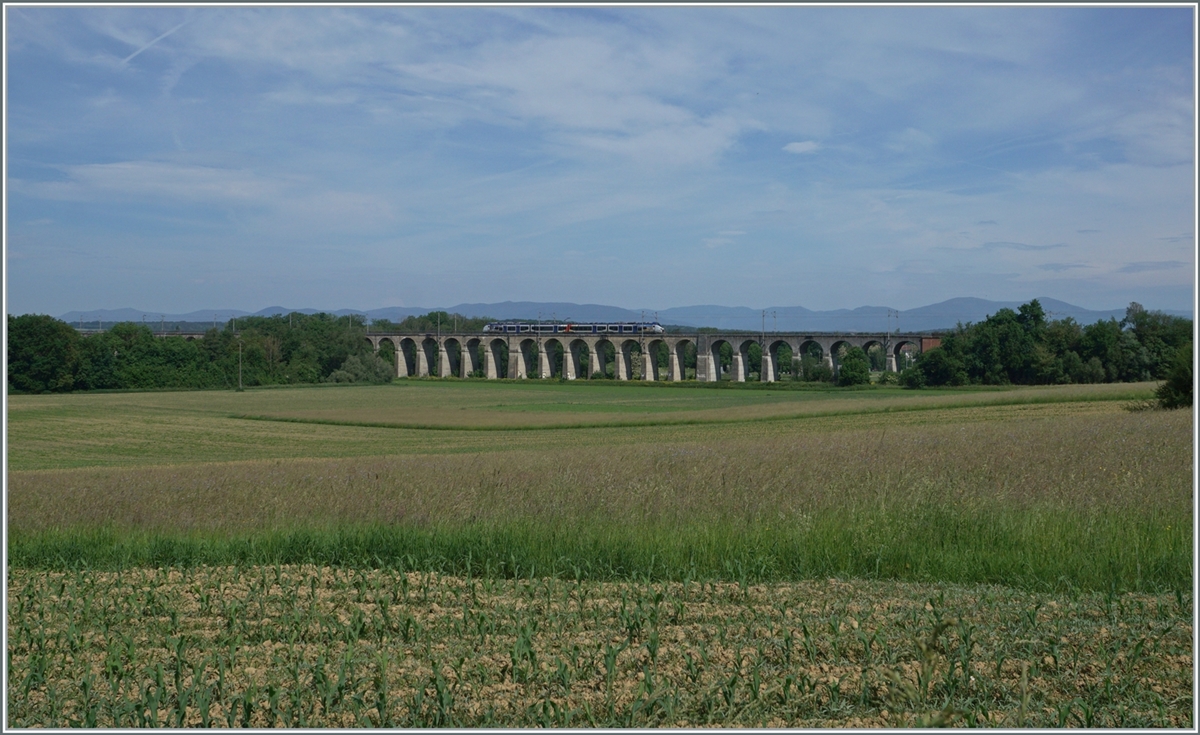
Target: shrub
pixel 940 367
pixel 368 369
pixel 854 368
pixel 912 378
pixel 340 376
pixel 813 370
pixel 1177 391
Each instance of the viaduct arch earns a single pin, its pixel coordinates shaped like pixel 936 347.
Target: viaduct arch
pixel 637 357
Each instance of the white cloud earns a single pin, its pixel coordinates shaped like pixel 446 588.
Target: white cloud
pixel 807 146
pixel 153 180
pixel 909 140
pixel 434 136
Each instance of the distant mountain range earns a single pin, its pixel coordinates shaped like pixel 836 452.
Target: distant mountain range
pixel 942 315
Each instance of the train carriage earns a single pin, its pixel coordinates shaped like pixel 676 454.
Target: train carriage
pixel 574 328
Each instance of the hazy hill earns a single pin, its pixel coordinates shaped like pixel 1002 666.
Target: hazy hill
pixel 943 315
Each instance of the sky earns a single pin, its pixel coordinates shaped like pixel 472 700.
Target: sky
pixel 185 158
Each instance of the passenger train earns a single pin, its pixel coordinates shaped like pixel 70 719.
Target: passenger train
pixel 575 328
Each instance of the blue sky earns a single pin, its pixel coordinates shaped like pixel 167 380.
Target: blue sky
pixel 241 157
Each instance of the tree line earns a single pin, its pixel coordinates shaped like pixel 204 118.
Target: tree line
pixel 1023 347
pixel 48 355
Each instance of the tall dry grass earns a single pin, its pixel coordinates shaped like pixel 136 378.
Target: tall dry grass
pixel 1092 501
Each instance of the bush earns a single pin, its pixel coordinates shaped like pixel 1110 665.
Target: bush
pixel 912 378
pixel 887 378
pixel 1177 391
pixel 813 370
pixel 854 368
pixel 368 369
pixel 940 367
pixel 340 376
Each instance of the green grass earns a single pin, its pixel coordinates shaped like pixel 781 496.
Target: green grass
pixel 1044 550
pixel 600 555
pixel 172 428
pixel 1042 489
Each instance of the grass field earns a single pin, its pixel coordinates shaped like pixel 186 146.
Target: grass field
pixel 171 428
pixel 730 506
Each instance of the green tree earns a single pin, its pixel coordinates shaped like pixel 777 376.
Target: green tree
pixel 853 368
pixel 1177 391
pixel 941 366
pixel 912 377
pixel 43 354
pixel 1160 334
pixel 877 358
pixel 813 370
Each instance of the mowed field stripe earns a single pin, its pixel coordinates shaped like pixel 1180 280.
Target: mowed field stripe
pixel 985 400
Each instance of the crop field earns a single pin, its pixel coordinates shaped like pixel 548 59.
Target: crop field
pixel 469 553
pixel 318 647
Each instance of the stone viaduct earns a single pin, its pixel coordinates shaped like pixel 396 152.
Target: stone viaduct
pixel 460 355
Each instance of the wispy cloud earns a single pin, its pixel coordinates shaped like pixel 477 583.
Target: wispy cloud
pixel 1060 267
pixel 1002 245
pixel 531 139
pixel 130 57
pixel 805 146
pixel 141 180
pixel 1152 265
pixel 909 140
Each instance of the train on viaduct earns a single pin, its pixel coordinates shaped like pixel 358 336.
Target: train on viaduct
pixel 522 354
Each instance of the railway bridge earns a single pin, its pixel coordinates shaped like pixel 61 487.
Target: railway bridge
pixel 500 355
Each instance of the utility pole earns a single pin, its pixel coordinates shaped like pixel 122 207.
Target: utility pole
pixel 647 370
pixel 239 366
pixel 887 350
pixel 164 324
